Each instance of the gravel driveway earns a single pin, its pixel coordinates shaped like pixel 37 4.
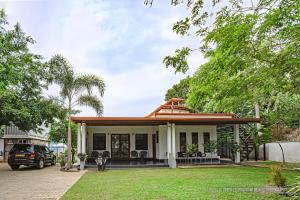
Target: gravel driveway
pixel 31 183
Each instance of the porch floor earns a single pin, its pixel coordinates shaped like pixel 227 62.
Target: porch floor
pixel 128 164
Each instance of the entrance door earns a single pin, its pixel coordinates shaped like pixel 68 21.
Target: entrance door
pixel 120 146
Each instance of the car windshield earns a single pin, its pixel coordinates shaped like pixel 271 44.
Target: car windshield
pixel 22 148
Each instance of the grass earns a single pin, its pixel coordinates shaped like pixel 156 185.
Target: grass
pixel 269 163
pixel 197 183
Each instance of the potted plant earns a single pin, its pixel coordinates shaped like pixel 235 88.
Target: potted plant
pixel 82 157
pixel 191 149
pixel 62 161
pixel 211 147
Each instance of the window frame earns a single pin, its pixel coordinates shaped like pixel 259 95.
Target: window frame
pixel 95 147
pixel 197 136
pixel 144 146
pixel 204 138
pixel 182 145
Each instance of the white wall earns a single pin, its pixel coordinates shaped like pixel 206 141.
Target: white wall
pixel 161 147
pixel 198 129
pixel 274 153
pixel 1 148
pixel 131 130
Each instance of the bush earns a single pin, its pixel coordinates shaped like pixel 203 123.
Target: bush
pixel 294 191
pixel 276 177
pixel 62 161
pixel 191 149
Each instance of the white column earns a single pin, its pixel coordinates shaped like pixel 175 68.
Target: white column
pixel 237 140
pixel 169 139
pixel 83 138
pixel 172 162
pixel 173 141
pixel 79 138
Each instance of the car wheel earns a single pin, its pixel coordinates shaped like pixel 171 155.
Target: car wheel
pixel 41 164
pixel 14 167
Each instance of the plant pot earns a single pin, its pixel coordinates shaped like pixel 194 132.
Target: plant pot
pixel 81 165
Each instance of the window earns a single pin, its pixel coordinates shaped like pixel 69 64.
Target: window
pixel 47 149
pixel 99 141
pixel 182 142
pixel 141 141
pixel 157 137
pixel 206 139
pixel 195 138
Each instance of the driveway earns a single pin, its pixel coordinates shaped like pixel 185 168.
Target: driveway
pixel 31 183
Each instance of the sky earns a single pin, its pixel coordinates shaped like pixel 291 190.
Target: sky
pixel 124 42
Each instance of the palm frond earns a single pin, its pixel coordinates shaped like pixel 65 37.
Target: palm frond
pixel 59 70
pixel 91 101
pixel 88 82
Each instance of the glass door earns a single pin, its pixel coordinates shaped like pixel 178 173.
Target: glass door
pixel 120 146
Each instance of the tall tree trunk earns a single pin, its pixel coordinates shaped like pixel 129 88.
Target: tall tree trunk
pixel 69 163
pixel 283 157
pixel 258 126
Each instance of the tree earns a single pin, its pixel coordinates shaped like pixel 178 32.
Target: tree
pixel 58 131
pixel 179 90
pixel 253 53
pixel 75 90
pixel 22 81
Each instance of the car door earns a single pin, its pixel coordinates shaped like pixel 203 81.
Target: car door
pixel 45 154
pixel 49 154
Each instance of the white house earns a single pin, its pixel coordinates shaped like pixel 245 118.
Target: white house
pixel 163 135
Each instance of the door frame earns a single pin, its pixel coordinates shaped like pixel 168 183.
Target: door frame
pixel 111 146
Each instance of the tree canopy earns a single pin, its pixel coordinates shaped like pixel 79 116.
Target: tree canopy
pixel 22 80
pixel 58 131
pixel 253 57
pixel 179 90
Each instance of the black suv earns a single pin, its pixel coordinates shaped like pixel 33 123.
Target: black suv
pixel 30 155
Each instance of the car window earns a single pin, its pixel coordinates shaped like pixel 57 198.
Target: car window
pixel 43 148
pixel 36 148
pixel 22 148
pixel 47 149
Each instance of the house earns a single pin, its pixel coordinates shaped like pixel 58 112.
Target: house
pixel 13 135
pixel 160 136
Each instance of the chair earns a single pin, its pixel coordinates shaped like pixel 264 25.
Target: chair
pixel 180 156
pixel 134 154
pixel 201 155
pixel 143 155
pixel 94 154
pixel 106 154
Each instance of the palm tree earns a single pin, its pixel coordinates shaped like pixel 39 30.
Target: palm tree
pixel 75 90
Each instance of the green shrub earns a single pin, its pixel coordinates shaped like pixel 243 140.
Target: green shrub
pixel 294 191
pixel 191 149
pixel 62 161
pixel 276 177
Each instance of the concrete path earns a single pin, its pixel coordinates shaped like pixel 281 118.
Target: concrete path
pixel 31 183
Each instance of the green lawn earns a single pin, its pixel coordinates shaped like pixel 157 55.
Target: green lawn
pixel 269 163
pixel 194 183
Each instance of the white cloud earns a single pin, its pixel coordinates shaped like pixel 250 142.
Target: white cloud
pixel 84 27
